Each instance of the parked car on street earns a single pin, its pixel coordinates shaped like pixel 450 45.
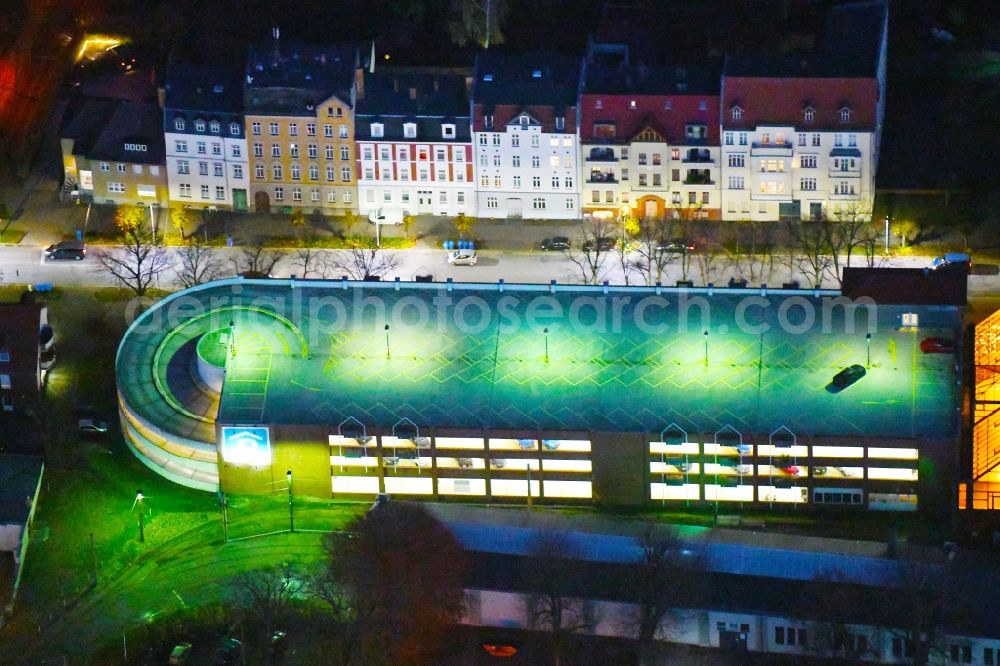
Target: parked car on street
pixel 92 426
pixel 676 246
pixel 228 652
pixel 392 216
pixel 937 346
pixel 463 258
pixel 75 250
pixel 603 244
pixel 952 260
pixel 555 243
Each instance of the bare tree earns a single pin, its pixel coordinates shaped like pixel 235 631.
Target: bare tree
pixel 401 573
pixel 311 260
pixel 665 576
pixel 598 242
pixel 363 260
pixel 653 249
pixel 267 594
pixel 139 262
pixel 256 260
pixel 198 263
pixel 811 242
pixel 552 565
pixel 477 22
pixel 708 251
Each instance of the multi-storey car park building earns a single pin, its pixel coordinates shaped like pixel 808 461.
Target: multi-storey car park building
pixel 801 135
pixel 414 147
pixel 299 106
pixel 524 130
pixel 649 139
pixel 204 135
pixel 489 392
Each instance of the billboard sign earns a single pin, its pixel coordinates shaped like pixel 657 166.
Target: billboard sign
pixel 246 446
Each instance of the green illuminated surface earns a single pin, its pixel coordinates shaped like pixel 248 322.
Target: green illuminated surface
pixel 212 347
pixel 627 379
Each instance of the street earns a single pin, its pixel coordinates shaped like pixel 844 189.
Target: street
pixel 24 264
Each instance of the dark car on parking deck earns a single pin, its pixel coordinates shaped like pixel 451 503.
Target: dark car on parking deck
pixel 845 378
pixel 555 243
pixel 937 346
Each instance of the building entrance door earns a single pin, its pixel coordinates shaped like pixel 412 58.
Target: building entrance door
pixel 240 199
pixel 651 209
pixel 425 202
pixel 262 202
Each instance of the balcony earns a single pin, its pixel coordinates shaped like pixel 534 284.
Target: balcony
pixel 841 172
pixel 599 177
pixel 698 177
pixel 696 155
pixel 758 149
pixel 601 155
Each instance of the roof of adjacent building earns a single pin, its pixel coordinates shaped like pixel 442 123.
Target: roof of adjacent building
pixel 526 79
pixel 19 476
pixel 641 79
pixel 287 78
pixel 20 324
pixel 783 101
pixel 918 286
pixel 585 374
pixel 203 88
pixel 131 122
pixel 86 120
pixel 394 96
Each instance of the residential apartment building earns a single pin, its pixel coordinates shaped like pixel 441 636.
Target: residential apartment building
pixel 299 106
pixel 801 135
pixel 21 325
pixel 524 124
pixel 114 153
pixel 414 146
pixel 649 140
pixel 204 137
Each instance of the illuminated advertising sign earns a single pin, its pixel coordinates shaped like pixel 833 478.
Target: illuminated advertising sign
pixel 246 446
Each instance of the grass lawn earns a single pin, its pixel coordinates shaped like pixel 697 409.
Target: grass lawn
pixel 12 236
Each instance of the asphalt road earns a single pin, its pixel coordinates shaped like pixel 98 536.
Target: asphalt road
pixel 24 264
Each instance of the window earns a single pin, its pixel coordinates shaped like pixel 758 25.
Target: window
pixel 273 129
pixel 496 159
pixel 534 141
pixel 331 196
pixel 845 115
pixel 852 140
pixel 560 123
pixel 595 197
pixel 330 173
pixel 484 180
pixel 255 128
pixel 116 187
pixel 705 197
pixel 5 382
pixel 121 168
pixel 343 135
pixel 220 192
pixel 258 170
pixel 816 139
pixel 217 170
pixel 383 153
pixel 515 140
pixel 702 105
pixel 988 656
pixel 460 197
pixel 179 124
pixel 802 139
pixel 443 198
pixel 293 150
pixel 328 131
pixel 569 204
pixel 458 154
pixel 201 148
pixel 105 167
pixel 345 153
pixel 516 160
pixel 736 182
pixel 482 139
pixel 692 197
pixel 181 146
pixel 555 182
pixel 779 635
pixel 185 190
pixel 313 172
pixel 347 194
pixel 296 194
pixel 554 161
pixel 675 175
pixel 442 174
pixel 367 153
pixel 345 175
pixel 642 159
pixel 496 140
pixel 737 160
pixel 675 198
pixel 369 173
pixel 238 171
pixel 279 194
pixel 258 150
pixel 538 203
pixel 838 140
pixel 809 114
pixel 328 151
pixel 808 184
pixel 183 167
pixel 729 138
pixel 656 180
pixel 276 172
pixel 236 150
pixel 743 138
pixel 387 197
pixel 310 129
pixel 536 161
pixel 491 202
pixel 448 131
pixel 312 151
pixel 807 161
pixel 276 150
pixel 609 196
pixel 737 113
pixel 536 182
pixel 214 127
pixel 517 181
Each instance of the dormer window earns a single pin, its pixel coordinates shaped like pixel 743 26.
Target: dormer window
pixel 448 131
pixel 695 131
pixel 179 124
pixel 524 121
pixel 845 115
pixel 667 105
pixel 736 112
pixel 702 105
pixel 632 104
pixel 598 103
pixel 409 130
pixel 487 77
pixel 488 121
pixel 809 114
pixel 213 127
pixel 377 130
pixel 560 123
pixel 199 126
pixel 234 129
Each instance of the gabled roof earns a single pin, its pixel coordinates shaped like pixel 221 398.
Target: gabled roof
pixel 530 120
pixel 777 101
pixel 200 88
pixel 410 92
pixel 86 120
pixel 288 78
pixel 649 122
pixel 131 122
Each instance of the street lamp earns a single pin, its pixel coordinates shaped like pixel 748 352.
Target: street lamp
pixel 387 341
pixel 868 339
pixel 138 502
pixel 291 515
pixel 232 338
pixel 887 234
pixel 706 347
pixel 546 332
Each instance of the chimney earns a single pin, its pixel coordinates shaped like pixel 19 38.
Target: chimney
pixel 413 93
pixel 395 84
pixel 436 86
pixel 276 34
pixel 359 82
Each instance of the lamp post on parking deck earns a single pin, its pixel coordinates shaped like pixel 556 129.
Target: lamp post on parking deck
pixel 138 502
pixel 868 339
pixel 291 515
